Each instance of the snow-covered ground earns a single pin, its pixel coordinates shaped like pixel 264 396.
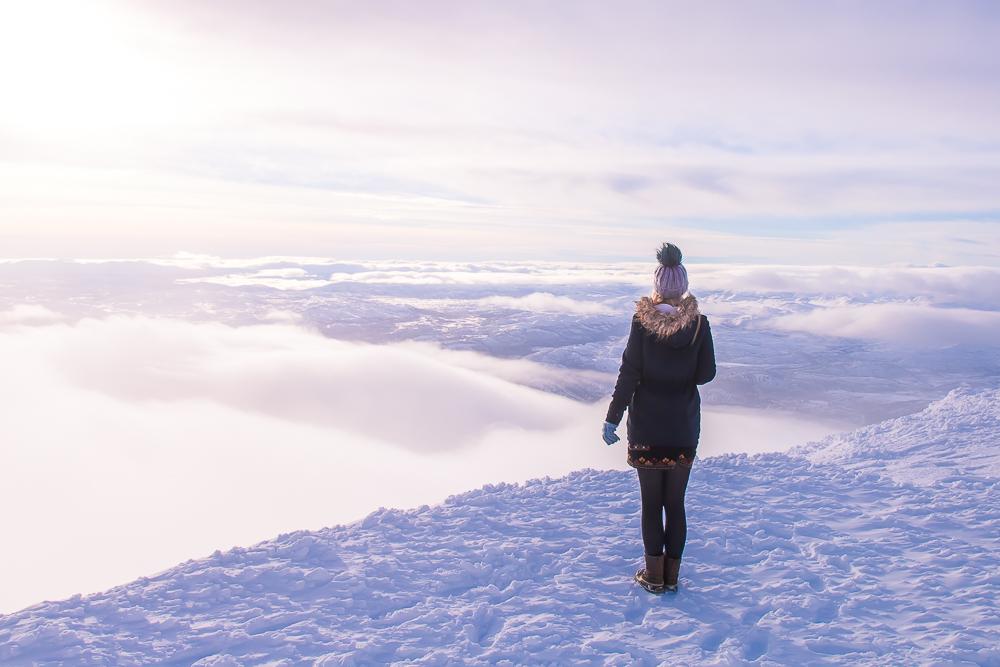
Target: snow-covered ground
pixel 875 547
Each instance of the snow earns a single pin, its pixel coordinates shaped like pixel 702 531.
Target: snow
pixel 951 437
pixel 874 547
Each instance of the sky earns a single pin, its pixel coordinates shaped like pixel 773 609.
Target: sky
pixel 834 133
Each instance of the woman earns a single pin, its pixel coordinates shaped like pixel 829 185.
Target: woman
pixel 668 354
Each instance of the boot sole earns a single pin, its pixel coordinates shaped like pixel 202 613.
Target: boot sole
pixel 646 586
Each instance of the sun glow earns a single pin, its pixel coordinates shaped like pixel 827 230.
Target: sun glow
pixel 69 67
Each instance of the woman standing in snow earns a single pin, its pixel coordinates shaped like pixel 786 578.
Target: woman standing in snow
pixel 668 354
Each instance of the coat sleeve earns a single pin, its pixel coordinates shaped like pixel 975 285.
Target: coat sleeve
pixel 628 374
pixel 705 371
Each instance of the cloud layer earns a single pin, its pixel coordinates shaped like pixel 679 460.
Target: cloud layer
pixel 899 323
pixel 137 442
pixel 942 283
pixel 393 392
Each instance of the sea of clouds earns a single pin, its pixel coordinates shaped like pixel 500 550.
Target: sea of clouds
pixel 157 410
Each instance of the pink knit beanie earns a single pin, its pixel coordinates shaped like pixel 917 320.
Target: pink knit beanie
pixel 671 278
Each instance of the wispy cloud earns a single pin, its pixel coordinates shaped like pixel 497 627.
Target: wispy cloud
pixel 28 314
pixel 898 323
pixel 546 302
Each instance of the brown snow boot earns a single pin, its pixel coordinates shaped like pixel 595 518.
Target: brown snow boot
pixel 651 576
pixel 671 567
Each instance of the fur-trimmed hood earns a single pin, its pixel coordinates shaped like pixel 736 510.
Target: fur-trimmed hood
pixel 663 325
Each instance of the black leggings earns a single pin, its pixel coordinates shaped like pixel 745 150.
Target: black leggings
pixel 663 489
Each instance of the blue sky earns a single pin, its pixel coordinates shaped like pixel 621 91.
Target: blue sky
pixel 771 132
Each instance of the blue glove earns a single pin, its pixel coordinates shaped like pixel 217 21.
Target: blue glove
pixel 610 437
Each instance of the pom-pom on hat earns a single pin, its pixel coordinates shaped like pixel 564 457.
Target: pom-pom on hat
pixel 671 278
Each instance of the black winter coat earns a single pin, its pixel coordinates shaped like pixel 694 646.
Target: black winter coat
pixel 667 356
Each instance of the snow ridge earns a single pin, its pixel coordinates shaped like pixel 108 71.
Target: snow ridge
pixel 828 555
pixel 952 437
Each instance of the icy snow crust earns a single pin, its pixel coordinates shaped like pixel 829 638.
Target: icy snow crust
pixel 877 547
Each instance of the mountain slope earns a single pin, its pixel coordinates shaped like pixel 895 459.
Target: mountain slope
pixel 817 557
pixel 955 436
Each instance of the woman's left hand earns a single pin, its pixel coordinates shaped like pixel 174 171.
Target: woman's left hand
pixel 610 437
